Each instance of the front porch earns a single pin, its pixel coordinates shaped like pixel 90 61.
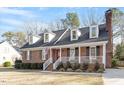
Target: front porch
pixel 74 54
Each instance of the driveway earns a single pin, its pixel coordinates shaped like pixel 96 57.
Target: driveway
pixel 114 77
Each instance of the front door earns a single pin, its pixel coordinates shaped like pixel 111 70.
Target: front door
pixel 55 54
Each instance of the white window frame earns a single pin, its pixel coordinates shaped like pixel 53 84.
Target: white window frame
pixel 28 55
pixel 92 57
pixel 97 31
pixel 44 53
pixel 72 35
pixel 45 37
pixel 72 57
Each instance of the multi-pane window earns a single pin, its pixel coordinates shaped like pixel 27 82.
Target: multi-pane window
pixel 72 53
pixel 74 35
pixel 46 37
pixel 28 55
pixel 44 53
pixel 93 31
pixel 93 52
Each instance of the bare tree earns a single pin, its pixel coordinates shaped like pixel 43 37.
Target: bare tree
pixel 92 17
pixel 34 27
pixel 56 25
pixel 118 24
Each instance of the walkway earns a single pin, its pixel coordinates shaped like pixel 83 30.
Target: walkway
pixel 114 77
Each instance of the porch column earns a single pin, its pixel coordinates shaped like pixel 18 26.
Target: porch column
pixel 60 54
pixel 79 54
pixel 50 53
pixel 104 55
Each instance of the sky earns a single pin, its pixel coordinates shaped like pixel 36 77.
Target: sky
pixel 12 18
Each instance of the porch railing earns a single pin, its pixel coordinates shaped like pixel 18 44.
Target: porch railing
pixel 83 59
pixel 47 63
pixel 56 64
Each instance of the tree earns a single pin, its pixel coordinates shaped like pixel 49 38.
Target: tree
pixel 119 52
pixel 19 38
pixel 92 17
pixel 118 24
pixel 72 20
pixel 15 38
pixel 33 27
pixel 8 36
pixel 64 23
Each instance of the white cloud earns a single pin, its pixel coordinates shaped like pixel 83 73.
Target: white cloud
pixel 13 22
pixel 43 8
pixel 15 11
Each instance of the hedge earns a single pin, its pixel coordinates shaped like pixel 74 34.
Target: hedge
pixel 20 65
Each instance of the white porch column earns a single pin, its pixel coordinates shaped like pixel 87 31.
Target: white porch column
pixel 104 55
pixel 79 54
pixel 60 54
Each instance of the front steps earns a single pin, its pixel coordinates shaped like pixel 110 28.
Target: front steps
pixel 50 67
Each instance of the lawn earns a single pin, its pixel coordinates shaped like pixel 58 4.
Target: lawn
pixel 36 77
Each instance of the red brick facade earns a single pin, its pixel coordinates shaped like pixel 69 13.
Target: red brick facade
pixel 109 48
pixel 35 56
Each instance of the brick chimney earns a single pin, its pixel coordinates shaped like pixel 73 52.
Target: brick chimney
pixel 109 48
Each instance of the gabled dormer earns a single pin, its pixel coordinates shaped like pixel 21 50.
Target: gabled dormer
pixel 33 38
pixel 48 36
pixel 94 31
pixel 75 34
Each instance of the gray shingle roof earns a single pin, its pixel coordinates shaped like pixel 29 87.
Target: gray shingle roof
pixel 84 38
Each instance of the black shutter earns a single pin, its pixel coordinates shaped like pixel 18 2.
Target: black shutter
pixel 68 52
pixel 76 51
pixel 98 51
pixel 87 51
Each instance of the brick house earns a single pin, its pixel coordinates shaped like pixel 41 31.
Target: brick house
pixel 88 44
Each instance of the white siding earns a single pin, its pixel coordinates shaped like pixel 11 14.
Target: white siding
pixel 8 53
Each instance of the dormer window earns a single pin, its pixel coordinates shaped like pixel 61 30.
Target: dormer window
pixel 74 35
pixel 46 37
pixel 94 32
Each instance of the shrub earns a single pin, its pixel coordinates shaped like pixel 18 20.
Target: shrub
pixel 91 67
pixel 39 65
pixel 114 62
pixel 75 66
pixel 100 71
pixel 66 65
pixel 17 65
pixel 33 65
pixel 101 68
pixel 62 69
pixel 70 70
pixel 78 70
pixel 84 66
pixel 97 65
pixel 60 66
pixel 18 61
pixel 29 65
pixel 7 64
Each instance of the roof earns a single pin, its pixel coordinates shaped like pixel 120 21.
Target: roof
pixel 65 40
pixel 1 42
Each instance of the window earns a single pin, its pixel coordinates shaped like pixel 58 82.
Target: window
pixel 72 53
pixel 28 55
pixel 46 38
pixel 93 31
pixel 92 52
pixel 74 35
pixel 44 54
